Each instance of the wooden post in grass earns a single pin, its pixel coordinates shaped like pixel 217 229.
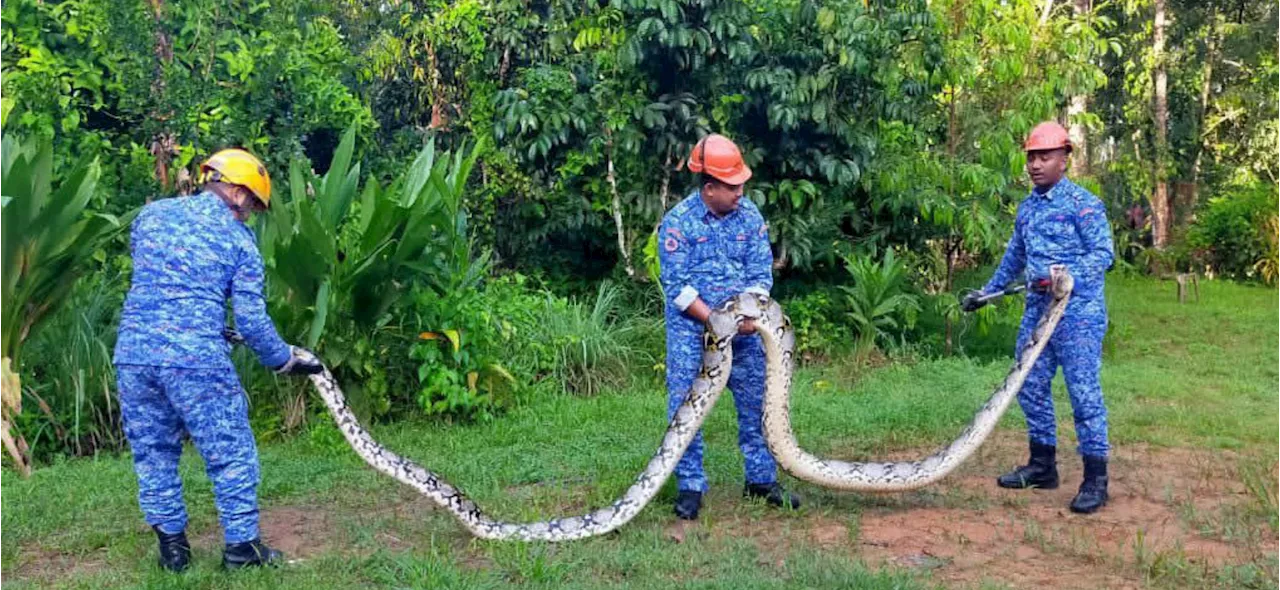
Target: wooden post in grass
pixel 1183 279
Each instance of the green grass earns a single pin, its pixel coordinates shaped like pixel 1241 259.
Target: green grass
pixel 1195 376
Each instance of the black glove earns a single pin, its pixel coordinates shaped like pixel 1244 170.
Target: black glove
pixel 972 301
pixel 232 336
pixel 301 362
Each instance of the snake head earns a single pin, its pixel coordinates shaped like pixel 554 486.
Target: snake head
pixel 1062 280
pixel 725 320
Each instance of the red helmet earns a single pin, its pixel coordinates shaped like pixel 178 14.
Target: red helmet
pixel 1047 136
pixel 719 157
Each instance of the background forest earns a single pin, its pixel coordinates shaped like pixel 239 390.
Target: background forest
pixel 467 191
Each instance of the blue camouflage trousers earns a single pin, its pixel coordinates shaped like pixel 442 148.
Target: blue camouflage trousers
pixel 159 405
pixel 746 381
pixel 1076 346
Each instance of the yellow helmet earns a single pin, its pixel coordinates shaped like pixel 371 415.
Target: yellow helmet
pixel 235 166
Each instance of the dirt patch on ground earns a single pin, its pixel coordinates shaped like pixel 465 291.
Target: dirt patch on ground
pixel 1030 538
pixel 45 565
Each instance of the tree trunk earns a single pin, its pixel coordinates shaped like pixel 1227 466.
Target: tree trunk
pixel 1044 14
pixel 617 205
pixel 163 146
pixel 1079 104
pixel 1210 55
pixel 666 187
pixel 1160 196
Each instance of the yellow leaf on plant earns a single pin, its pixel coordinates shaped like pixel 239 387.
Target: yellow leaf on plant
pixel 10 386
pixel 455 338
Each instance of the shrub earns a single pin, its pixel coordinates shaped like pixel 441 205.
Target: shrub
pixel 597 345
pixel 1235 233
pixel 819 332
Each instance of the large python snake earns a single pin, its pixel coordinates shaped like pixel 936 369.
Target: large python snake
pixel 717 360
pixel 779 339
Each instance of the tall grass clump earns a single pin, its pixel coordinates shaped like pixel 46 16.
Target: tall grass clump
pixel 597 344
pixel 72 384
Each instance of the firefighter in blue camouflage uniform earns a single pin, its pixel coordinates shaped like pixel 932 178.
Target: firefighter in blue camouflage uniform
pixel 173 366
pixel 1060 223
pixel 714 245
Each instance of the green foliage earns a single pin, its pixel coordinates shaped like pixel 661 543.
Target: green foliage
pixel 1268 266
pixel 147 86
pixel 878 304
pixel 459 372
pixel 820 333
pixel 50 235
pixel 481 348
pixel 343 262
pixel 1235 233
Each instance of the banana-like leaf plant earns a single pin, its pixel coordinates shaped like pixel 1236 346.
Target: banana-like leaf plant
pixel 332 261
pixel 49 237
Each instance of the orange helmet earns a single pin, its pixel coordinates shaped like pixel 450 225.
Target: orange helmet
pixel 719 157
pixel 235 166
pixel 1047 136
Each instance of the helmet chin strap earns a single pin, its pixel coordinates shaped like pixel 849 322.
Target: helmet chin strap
pixel 235 205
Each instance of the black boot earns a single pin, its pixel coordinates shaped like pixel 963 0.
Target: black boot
pixel 175 550
pixel 687 504
pixel 1041 471
pixel 250 554
pixel 773 493
pixel 1093 490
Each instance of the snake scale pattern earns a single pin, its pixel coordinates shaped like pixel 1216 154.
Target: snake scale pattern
pixel 779 341
pixel 717 360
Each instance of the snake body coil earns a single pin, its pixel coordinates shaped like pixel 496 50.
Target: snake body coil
pixel 717 360
pixel 779 339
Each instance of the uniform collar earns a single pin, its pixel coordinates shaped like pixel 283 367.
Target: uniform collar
pixel 704 213
pixel 1063 184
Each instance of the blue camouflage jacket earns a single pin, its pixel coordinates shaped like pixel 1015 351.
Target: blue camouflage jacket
pixel 715 258
pixel 1064 225
pixel 190 256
